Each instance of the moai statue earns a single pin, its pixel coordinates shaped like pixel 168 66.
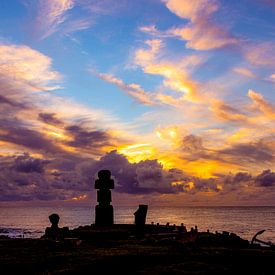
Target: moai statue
pixel 104 213
pixel 55 232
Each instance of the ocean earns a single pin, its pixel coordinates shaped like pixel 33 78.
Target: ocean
pixel 30 222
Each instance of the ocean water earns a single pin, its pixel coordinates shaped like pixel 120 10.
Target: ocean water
pixel 30 222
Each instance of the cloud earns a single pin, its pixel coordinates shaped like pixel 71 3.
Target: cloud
pixel 249 153
pixel 23 177
pixel 49 118
pixel 67 16
pixel 21 66
pixel 51 14
pixel 58 16
pixel 32 178
pixel 133 90
pixel 225 112
pixel 261 54
pixel 260 103
pixel 36 121
pixel 14 131
pixel 85 138
pixel 27 164
pixel 245 72
pixel 266 178
pixel 176 74
pixel 192 10
pixel 201 33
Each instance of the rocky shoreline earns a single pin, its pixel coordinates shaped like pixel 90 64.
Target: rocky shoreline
pixel 117 250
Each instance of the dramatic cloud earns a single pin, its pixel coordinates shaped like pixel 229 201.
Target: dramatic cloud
pixel 32 178
pixel 204 132
pixel 35 120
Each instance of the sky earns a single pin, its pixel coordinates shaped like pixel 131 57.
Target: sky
pixel 175 97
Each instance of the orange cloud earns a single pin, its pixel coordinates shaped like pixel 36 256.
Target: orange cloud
pixel 265 107
pixel 228 113
pixel 176 75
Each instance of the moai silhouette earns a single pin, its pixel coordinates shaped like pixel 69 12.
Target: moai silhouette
pixel 55 232
pixel 104 213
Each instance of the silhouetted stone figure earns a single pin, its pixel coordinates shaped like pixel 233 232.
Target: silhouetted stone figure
pixel 104 213
pixel 140 219
pixel 54 232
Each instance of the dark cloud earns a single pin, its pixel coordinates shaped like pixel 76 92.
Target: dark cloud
pixel 266 179
pixel 192 144
pixel 14 131
pixel 205 185
pixel 254 152
pixel 192 148
pixel 85 138
pixel 243 154
pixel 49 118
pixel 10 102
pixel 138 178
pixel 27 164
pixel 24 177
pixel 242 177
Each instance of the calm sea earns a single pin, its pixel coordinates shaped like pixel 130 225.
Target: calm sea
pixel 245 221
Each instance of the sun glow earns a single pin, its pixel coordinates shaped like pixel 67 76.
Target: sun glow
pixel 79 198
pixel 137 152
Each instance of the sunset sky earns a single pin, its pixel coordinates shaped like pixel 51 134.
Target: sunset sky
pixel 175 97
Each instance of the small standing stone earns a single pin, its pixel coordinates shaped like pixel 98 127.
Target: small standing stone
pixel 140 219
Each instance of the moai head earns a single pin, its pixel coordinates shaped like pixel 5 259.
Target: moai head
pixel 104 175
pixel 104 180
pixel 54 219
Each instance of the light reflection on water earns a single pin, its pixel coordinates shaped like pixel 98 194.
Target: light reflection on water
pixel 244 221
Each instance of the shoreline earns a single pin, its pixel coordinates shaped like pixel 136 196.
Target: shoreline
pixel 37 256
pixel 117 250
